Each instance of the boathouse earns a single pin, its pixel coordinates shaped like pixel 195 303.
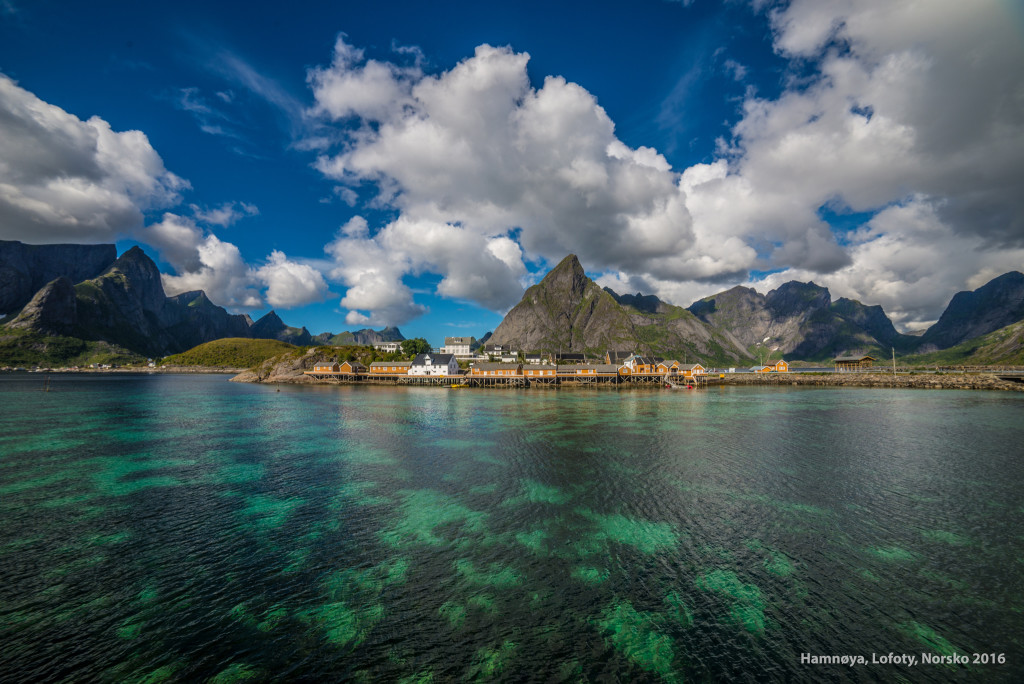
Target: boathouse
pixel 389 368
pixel 434 365
pixel 496 370
pixel 326 367
pixel 853 363
pixel 690 370
pixel 351 368
pixel 779 366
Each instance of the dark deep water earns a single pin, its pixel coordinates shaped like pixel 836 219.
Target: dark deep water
pixel 184 528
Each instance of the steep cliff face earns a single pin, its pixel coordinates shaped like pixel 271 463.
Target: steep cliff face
pixel 271 327
pixel 365 336
pixel 125 305
pixel 799 320
pixel 52 311
pixel 995 305
pixel 568 312
pixel 24 269
pixel 192 319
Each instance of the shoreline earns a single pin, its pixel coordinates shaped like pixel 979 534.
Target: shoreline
pixel 975 380
pixel 924 380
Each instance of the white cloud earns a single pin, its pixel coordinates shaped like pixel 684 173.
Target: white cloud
pixel 290 284
pixel 67 180
pixel 202 261
pixel 222 273
pixel 476 154
pixel 226 214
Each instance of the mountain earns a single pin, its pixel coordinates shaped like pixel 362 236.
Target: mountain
pixel 800 320
pixel 1002 347
pixel 24 269
pixel 271 327
pixel 123 307
pixel 569 312
pixel 992 306
pixel 364 337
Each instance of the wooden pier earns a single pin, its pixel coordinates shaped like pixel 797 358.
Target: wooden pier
pixel 614 380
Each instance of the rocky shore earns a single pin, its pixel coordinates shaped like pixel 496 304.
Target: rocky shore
pixel 987 381
pixel 290 370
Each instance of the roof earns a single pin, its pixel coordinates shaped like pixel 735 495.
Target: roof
pixel 457 340
pixel 691 366
pixel 486 366
pixel 615 356
pixel 862 357
pixel 574 367
pixel 606 367
pixel 571 356
pixel 435 359
pixel 670 362
pixel 534 355
pixel 352 364
pixel 381 364
pixel 757 368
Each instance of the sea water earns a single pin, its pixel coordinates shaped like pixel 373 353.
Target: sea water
pixel 184 528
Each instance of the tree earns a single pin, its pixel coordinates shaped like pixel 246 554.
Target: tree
pixel 416 345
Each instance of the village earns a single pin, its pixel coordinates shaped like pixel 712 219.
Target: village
pixel 494 365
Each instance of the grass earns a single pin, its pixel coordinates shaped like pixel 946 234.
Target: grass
pixel 231 352
pixel 28 349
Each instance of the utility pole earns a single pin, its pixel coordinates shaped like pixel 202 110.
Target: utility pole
pixel 893 361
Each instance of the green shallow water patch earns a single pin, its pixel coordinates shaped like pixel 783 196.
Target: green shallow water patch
pixel 423 511
pixel 891 553
pixel 536 492
pixel 535 541
pixel 678 609
pixel 590 575
pixel 945 537
pixel 263 512
pixel 238 672
pixel 453 613
pixel 746 603
pixel 491 574
pixel 492 661
pixel 636 635
pixel 645 535
pixel 929 638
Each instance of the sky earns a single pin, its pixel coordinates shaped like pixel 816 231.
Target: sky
pixel 356 165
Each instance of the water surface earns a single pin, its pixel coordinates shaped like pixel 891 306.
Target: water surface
pixel 186 528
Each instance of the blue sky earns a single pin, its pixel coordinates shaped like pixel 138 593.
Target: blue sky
pixel 354 166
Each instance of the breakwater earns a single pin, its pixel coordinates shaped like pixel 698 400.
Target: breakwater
pixel 983 381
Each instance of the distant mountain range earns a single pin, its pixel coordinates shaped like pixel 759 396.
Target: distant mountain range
pixel 567 311
pixel 56 293
pixel 87 292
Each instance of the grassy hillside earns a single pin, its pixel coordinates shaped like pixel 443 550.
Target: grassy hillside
pixel 231 352
pixel 29 349
pixel 1003 347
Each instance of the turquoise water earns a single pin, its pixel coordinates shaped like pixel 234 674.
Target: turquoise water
pixel 184 528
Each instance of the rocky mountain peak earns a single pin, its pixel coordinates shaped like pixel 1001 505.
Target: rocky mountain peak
pixel 794 298
pixel 994 305
pixel 52 310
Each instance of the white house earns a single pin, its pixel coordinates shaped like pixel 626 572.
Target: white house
pixel 434 364
pixel 458 346
pixel 388 347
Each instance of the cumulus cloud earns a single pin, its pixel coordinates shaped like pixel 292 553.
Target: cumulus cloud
pixel 290 284
pixel 911 112
pixel 476 154
pixel 202 261
pixel 67 180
